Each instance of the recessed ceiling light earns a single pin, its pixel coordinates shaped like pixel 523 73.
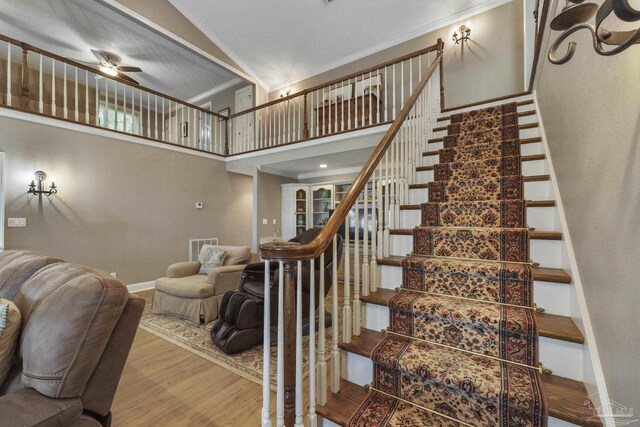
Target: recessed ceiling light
pixel 323 165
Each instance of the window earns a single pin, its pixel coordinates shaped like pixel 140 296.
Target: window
pixel 117 119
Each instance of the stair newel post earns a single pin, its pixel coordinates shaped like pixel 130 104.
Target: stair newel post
pixel 321 363
pixel 356 272
pixel 226 136
pixel 335 350
pixel 346 278
pixel 305 131
pixel 280 349
pixel 365 243
pixel 289 343
pixel 266 350
pixel 25 78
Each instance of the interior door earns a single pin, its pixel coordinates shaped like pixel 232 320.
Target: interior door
pixel 244 136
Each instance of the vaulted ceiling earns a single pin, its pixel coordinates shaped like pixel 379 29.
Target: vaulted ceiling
pixel 70 28
pixel 283 41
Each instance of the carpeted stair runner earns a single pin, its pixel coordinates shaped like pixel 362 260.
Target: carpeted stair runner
pixel 462 343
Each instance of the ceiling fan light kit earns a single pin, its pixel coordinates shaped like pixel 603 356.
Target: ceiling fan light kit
pixel 108 64
pixel 575 17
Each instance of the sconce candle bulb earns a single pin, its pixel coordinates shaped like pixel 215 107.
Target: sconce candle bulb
pixel 465 35
pixel 37 187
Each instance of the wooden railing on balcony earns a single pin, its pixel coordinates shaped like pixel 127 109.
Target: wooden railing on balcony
pixel 380 188
pixel 43 83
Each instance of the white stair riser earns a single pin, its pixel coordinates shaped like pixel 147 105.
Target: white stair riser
pixel 546 252
pixel 525 150
pixel 555 298
pixel 542 219
pixel 423 177
pixel 524 133
pixel 563 358
pixel 538 190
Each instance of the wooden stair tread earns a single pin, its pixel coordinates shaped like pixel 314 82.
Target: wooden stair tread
pixel 530 178
pixel 342 405
pixel 424 168
pixel 524 126
pixel 537 235
pixel 530 140
pixel 550 325
pixel 439 129
pixel 565 397
pixel 543 274
pixel 435 140
pixel 530 204
pixel 521 114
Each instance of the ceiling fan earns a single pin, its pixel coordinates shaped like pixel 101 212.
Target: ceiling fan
pixel 108 64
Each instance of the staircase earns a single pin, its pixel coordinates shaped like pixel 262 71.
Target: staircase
pixel 463 298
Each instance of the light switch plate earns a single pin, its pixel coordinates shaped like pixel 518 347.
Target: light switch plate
pixel 274 221
pixel 16 222
pixel 265 221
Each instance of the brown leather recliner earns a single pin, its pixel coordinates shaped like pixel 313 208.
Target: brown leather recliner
pixel 16 267
pixel 256 287
pixel 78 325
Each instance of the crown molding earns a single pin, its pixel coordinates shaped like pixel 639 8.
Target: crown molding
pixel 140 18
pixel 441 23
pixel 213 91
pixel 255 78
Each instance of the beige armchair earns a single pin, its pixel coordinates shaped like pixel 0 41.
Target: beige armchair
pixel 196 297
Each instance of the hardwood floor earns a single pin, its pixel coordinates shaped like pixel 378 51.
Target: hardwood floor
pixel 165 385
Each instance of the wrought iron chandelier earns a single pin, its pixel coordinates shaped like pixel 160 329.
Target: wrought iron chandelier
pixel 576 14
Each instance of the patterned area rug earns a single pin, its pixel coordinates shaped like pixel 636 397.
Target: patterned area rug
pixel 196 339
pixel 462 343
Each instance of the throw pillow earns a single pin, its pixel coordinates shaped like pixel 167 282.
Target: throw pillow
pixel 210 257
pixel 10 320
pixel 236 255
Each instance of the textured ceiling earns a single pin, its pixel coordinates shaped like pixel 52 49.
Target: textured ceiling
pixel 282 41
pixel 70 28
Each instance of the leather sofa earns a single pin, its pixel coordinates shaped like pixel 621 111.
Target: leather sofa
pixel 197 297
pixel 78 325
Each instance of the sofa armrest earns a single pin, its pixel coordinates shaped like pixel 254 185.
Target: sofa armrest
pixel 183 269
pixel 225 278
pixel 27 407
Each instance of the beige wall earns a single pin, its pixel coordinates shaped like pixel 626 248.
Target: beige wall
pixel 491 65
pixel 269 203
pixel 223 99
pixel 163 13
pixel 121 206
pixel 591 113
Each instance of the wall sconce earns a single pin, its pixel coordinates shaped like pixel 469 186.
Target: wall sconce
pixel 285 92
pixel 36 189
pixel 574 16
pixel 465 35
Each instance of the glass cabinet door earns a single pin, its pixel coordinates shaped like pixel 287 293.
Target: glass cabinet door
pixel 322 204
pixel 301 211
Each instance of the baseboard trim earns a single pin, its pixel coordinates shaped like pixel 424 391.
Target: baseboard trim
pixel 142 286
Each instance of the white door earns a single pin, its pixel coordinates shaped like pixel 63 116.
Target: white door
pixel 243 125
pixel 204 124
pixel 1 201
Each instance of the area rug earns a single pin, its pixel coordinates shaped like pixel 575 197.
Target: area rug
pixel 196 339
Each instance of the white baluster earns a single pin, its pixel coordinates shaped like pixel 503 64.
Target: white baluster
pixel 362 102
pixel 322 363
pixel 378 81
pixel 317 107
pixel 349 123
pixel 365 243
pixel 335 350
pixel 53 88
pixel 387 206
pixel 75 102
pixel 164 132
pixel 386 90
pixel 106 103
pixel 148 115
pixel 86 97
pixel 374 231
pixel 266 350
pixel 9 74
pixel 313 421
pixel 356 272
pixel 40 88
pixel 393 110
pixel 65 110
pixel 346 309
pixel 280 360
pixel 298 421
pixel 370 101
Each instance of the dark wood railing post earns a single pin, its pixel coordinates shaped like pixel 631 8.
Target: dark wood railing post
pixel 305 131
pixel 226 136
pixel 25 78
pixel 441 51
pixel 289 332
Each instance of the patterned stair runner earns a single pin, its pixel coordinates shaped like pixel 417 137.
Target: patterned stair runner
pixel 462 343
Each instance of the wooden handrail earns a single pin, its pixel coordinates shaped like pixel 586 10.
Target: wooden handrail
pixel 26 46
pixel 338 80
pixel 288 251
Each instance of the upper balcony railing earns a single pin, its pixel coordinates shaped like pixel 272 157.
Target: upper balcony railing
pixel 43 83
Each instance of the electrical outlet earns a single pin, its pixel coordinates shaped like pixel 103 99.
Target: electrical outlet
pixel 199 205
pixel 16 222
pixel 265 221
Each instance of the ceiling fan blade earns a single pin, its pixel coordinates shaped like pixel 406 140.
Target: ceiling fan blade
pixel 100 57
pixel 127 79
pixel 128 69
